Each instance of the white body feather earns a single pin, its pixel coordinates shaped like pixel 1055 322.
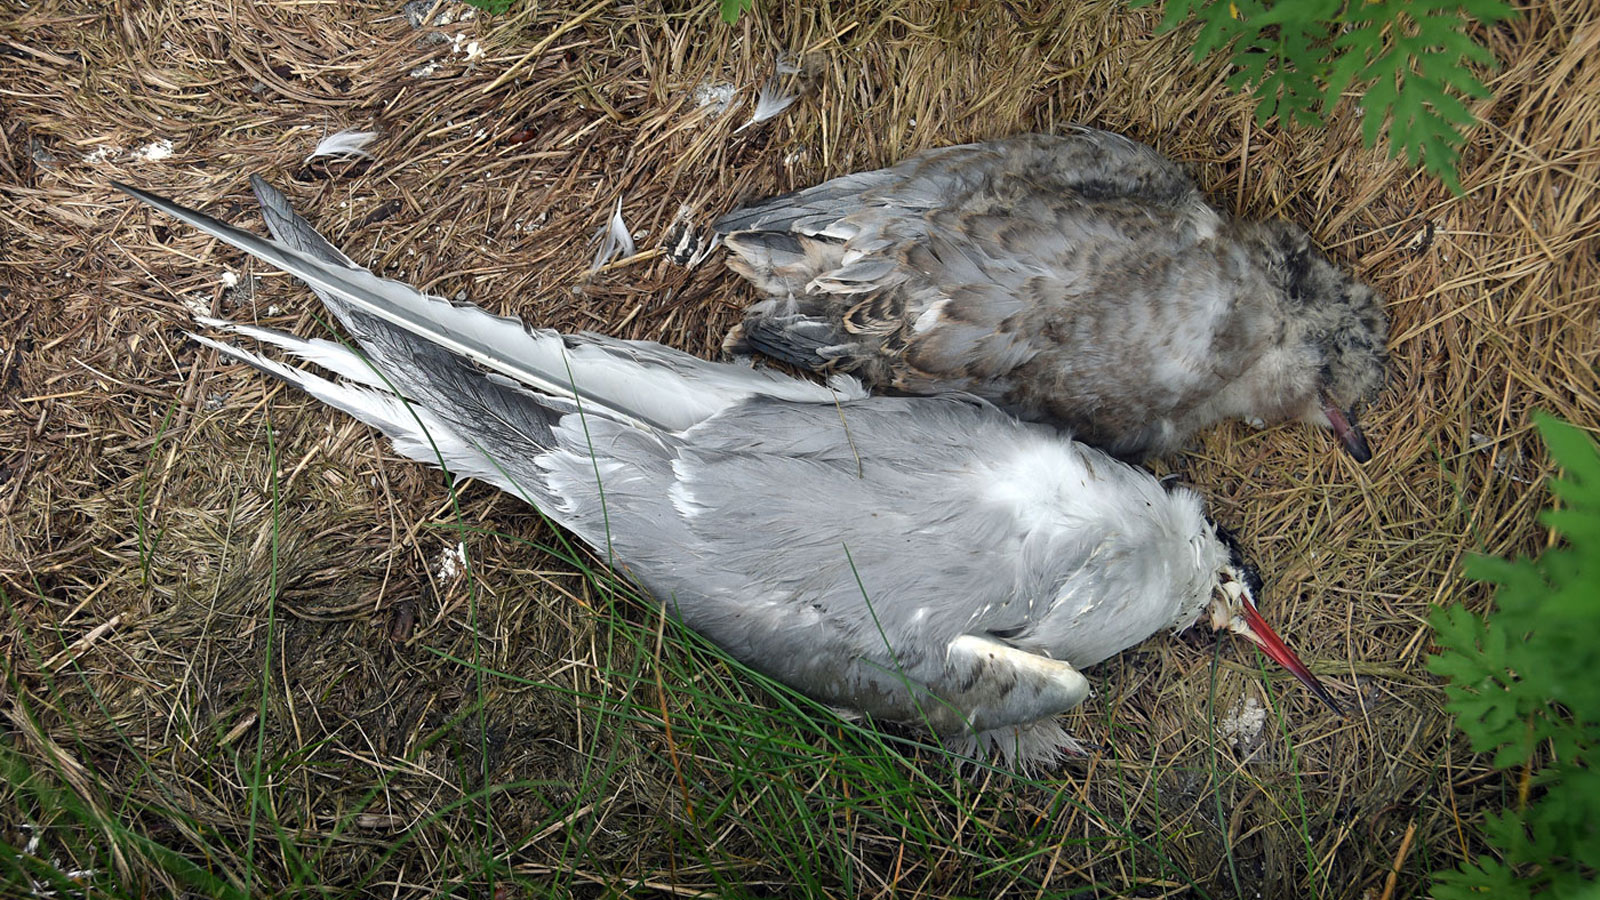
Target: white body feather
pixel 344 143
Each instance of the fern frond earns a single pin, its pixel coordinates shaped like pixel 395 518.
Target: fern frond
pixel 1522 684
pixel 1411 60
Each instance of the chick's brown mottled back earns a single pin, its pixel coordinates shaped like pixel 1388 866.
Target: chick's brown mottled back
pixel 1080 279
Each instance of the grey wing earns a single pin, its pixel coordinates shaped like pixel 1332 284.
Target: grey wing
pixel 1087 161
pixel 288 227
pixel 862 567
pixel 782 243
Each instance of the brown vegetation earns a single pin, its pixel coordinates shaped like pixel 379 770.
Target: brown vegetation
pixel 202 569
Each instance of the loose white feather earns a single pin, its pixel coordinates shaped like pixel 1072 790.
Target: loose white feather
pixel 615 241
pixel 347 143
pixel 716 97
pixel 772 101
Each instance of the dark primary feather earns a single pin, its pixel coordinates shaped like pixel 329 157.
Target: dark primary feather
pixel 1080 280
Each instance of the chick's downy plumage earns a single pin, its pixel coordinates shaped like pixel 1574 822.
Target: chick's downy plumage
pixel 1081 280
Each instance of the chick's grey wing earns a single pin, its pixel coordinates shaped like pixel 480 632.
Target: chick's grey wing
pixel 1096 165
pixel 1099 165
pixel 952 269
pixel 848 228
pixel 920 182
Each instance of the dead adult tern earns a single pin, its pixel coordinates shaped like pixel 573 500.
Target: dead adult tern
pixel 930 561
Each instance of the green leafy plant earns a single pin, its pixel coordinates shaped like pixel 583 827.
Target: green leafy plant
pixel 1523 685
pixel 1411 59
pixel 493 7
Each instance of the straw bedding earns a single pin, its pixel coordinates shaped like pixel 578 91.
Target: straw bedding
pixel 175 534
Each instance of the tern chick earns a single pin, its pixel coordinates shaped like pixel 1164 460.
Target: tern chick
pixel 1080 280
pixel 923 560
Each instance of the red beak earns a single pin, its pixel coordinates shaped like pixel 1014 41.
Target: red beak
pixel 1262 634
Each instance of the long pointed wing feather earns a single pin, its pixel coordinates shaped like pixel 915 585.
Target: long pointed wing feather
pixel 604 373
pixel 468 331
pixel 330 355
pixel 413 430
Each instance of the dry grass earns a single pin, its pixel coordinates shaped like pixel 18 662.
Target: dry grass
pixel 187 595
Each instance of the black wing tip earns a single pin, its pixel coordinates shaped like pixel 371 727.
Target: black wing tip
pixel 130 190
pixel 257 183
pixel 170 207
pixel 271 199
